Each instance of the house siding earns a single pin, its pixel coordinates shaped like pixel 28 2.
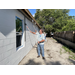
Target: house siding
pixel 8 53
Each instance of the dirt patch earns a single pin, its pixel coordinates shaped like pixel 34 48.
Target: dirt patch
pixel 54 55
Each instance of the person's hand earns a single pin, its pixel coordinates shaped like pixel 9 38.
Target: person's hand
pixel 38 42
pixel 31 31
pixel 27 26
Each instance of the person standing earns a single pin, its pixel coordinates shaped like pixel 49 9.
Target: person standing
pixel 40 39
pixel 45 35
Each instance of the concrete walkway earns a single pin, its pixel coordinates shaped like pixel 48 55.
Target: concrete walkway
pixel 52 55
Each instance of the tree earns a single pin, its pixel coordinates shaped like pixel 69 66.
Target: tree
pixel 37 14
pixel 54 20
pixel 70 26
pixel 48 29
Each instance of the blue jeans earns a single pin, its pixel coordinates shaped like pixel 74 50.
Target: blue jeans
pixel 40 47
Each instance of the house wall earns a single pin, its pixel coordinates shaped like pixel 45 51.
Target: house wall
pixel 8 53
pixel 35 28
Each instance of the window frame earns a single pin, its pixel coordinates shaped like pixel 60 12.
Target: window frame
pixel 22 44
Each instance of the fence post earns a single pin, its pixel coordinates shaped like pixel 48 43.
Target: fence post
pixel 74 36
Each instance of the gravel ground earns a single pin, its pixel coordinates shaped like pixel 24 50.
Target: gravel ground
pixel 54 55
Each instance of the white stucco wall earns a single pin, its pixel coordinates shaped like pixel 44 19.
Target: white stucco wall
pixel 8 53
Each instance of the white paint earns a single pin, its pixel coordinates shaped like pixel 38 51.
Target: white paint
pixel 8 53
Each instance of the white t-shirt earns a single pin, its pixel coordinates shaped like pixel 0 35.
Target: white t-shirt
pixel 40 37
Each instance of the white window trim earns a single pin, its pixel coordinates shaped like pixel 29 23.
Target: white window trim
pixel 23 42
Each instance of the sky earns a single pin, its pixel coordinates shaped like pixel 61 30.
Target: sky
pixel 71 12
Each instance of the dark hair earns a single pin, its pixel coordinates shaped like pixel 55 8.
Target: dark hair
pixel 42 30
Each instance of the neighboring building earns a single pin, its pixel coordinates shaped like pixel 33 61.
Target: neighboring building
pixel 15 39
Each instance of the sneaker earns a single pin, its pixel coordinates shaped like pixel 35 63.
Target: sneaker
pixel 38 56
pixel 43 57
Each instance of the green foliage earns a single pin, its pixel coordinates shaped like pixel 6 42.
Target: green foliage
pixel 18 25
pixel 70 26
pixel 71 52
pixel 48 28
pixel 55 20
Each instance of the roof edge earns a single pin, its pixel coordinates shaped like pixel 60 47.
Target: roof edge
pixel 26 10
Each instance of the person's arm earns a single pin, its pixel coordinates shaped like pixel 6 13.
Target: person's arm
pixel 31 31
pixel 43 39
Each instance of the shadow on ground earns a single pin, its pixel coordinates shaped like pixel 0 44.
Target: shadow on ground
pixel 72 61
pixel 32 62
pixel 73 50
pixel 53 63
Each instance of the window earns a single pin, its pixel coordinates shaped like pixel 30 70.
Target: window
pixel 19 33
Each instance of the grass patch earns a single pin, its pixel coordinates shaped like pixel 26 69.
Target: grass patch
pixel 60 51
pixel 54 39
pixel 71 52
pixel 72 57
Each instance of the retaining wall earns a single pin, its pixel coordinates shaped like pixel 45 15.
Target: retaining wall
pixel 66 37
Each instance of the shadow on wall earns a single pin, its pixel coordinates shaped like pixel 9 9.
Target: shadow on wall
pixel 7 33
pixel 7 22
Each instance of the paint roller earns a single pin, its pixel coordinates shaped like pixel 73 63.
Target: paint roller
pixel 30 30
